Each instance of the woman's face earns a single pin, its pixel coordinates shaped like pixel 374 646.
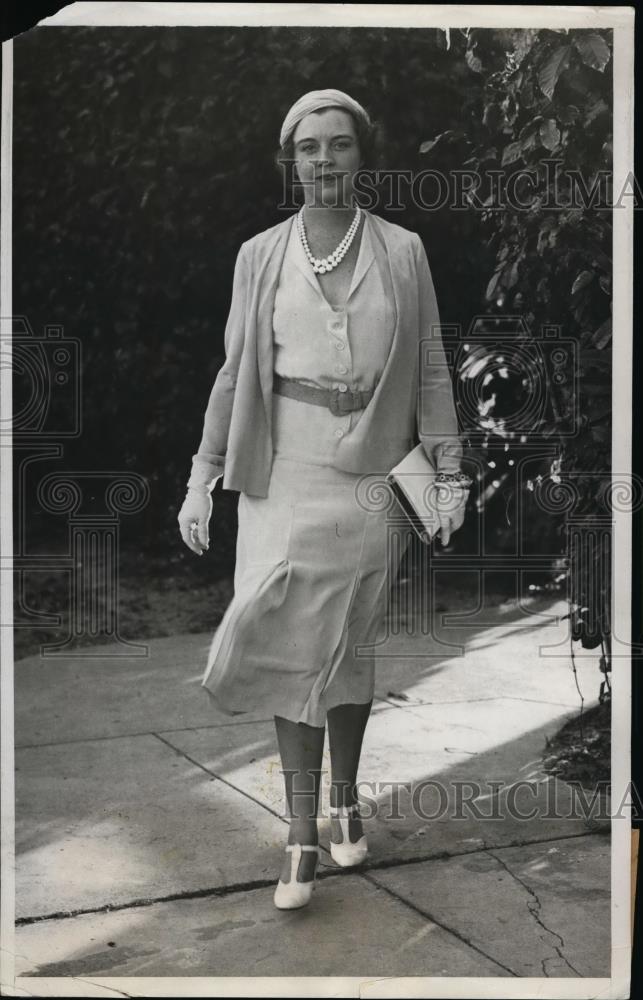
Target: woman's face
pixel 327 156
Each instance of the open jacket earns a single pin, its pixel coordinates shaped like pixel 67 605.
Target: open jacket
pixel 413 400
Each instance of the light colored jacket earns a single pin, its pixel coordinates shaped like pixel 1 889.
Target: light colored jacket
pixel 413 400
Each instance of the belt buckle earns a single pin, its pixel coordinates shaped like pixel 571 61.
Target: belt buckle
pixel 337 399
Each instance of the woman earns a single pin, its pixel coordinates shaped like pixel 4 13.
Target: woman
pixel 325 385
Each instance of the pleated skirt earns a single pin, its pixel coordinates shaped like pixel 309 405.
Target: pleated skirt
pixel 313 573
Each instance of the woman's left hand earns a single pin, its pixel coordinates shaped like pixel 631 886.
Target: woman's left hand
pixel 451 502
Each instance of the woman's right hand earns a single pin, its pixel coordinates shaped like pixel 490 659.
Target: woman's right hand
pixel 194 518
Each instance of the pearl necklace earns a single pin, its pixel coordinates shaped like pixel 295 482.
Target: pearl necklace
pixel 320 266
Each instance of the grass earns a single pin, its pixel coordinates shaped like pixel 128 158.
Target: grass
pixel 157 595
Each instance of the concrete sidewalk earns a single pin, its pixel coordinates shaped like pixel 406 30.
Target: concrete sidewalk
pixel 150 830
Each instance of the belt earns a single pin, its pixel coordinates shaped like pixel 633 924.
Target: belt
pixel 337 400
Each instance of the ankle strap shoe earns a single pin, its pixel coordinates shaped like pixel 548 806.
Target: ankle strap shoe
pixel 347 854
pixel 293 894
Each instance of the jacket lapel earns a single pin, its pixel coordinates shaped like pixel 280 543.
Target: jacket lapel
pixel 365 257
pixel 269 260
pixel 392 262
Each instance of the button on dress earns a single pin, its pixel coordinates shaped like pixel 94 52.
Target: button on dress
pixel 313 561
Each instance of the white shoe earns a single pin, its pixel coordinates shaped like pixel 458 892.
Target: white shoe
pixel 293 894
pixel 346 853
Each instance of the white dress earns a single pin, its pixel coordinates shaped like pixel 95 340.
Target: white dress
pixel 314 564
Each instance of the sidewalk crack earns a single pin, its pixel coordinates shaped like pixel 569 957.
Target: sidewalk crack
pixel 534 906
pixel 249 886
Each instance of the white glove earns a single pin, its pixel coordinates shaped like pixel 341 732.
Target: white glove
pixel 194 518
pixel 450 503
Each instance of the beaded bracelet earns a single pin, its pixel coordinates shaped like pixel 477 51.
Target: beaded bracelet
pixel 458 479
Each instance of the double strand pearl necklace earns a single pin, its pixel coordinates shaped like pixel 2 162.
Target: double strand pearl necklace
pixel 320 266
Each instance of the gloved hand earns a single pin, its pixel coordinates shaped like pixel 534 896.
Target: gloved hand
pixel 194 518
pixel 450 503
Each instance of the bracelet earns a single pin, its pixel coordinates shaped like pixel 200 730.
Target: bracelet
pixel 457 479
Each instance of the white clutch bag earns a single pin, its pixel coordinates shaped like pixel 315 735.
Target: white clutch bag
pixel 413 483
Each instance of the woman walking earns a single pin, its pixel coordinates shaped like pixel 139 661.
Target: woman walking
pixel 325 385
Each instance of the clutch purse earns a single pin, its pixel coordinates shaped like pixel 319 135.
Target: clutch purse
pixel 412 481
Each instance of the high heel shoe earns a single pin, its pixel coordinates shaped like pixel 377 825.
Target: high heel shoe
pixel 293 894
pixel 346 853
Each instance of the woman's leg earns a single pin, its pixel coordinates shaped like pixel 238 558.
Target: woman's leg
pixel 301 749
pixel 346 726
